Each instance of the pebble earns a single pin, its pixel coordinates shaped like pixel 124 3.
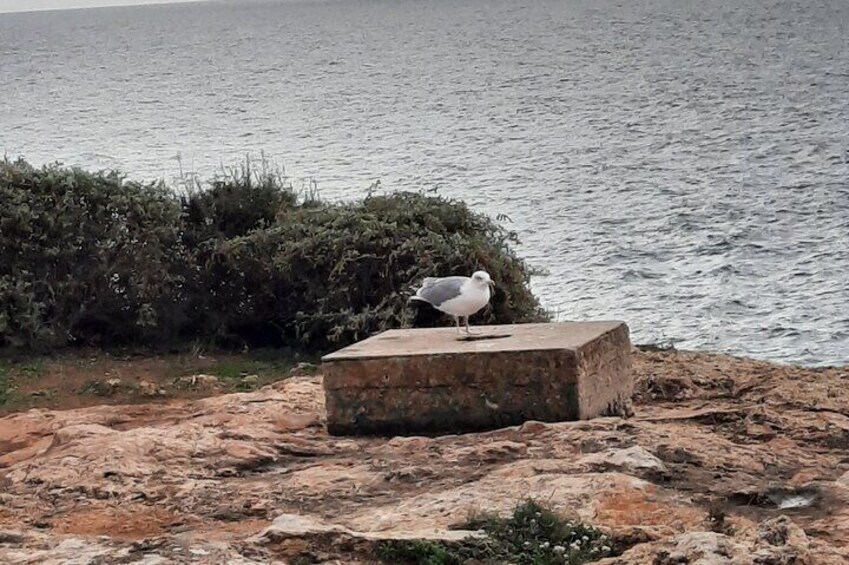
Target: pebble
pixel 11 536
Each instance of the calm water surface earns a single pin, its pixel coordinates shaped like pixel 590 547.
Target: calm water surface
pixel 680 164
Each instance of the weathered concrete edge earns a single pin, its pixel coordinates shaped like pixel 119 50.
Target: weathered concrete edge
pixel 596 397
pixel 336 373
pixel 338 355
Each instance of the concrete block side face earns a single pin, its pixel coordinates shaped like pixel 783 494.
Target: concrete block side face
pixel 450 393
pixel 443 341
pixel 605 380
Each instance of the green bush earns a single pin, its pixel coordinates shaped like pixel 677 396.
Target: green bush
pixel 332 274
pixel 235 203
pixel 84 257
pixel 89 258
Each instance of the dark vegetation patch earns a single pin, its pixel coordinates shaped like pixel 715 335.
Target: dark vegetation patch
pixel 83 377
pixel 94 259
pixel 533 535
pixel 7 389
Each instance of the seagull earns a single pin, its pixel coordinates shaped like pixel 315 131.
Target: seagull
pixel 459 297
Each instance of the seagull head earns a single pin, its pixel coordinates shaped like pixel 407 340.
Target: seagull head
pixel 481 278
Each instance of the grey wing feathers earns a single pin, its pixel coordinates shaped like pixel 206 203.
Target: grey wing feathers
pixel 439 290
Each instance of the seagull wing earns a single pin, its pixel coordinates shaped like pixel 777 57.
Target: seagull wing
pixel 438 290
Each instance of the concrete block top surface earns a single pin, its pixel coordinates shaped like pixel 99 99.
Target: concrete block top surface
pixel 441 341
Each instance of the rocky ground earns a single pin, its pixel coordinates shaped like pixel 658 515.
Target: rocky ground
pixel 725 461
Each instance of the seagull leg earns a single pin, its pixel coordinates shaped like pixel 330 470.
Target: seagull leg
pixel 457 319
pixel 468 330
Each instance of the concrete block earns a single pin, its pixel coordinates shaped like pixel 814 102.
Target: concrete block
pixel 427 381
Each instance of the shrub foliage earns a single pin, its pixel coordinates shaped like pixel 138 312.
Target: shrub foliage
pixel 91 258
pixel 84 257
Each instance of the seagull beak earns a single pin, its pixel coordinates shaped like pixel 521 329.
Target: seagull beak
pixel 491 283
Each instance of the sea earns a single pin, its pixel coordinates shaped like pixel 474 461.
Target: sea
pixel 682 165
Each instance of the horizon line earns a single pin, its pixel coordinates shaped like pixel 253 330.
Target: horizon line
pixel 76 8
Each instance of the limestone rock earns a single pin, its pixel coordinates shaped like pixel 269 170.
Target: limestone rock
pixel 254 477
pixel 706 548
pixel 634 459
pixel 200 381
pixel 147 388
pixel 297 526
pixel 11 537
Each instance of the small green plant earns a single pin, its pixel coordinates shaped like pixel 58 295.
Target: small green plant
pixel 32 369
pixel 7 390
pixel 421 552
pixel 533 535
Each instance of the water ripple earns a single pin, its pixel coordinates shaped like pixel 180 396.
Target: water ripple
pixel 680 165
